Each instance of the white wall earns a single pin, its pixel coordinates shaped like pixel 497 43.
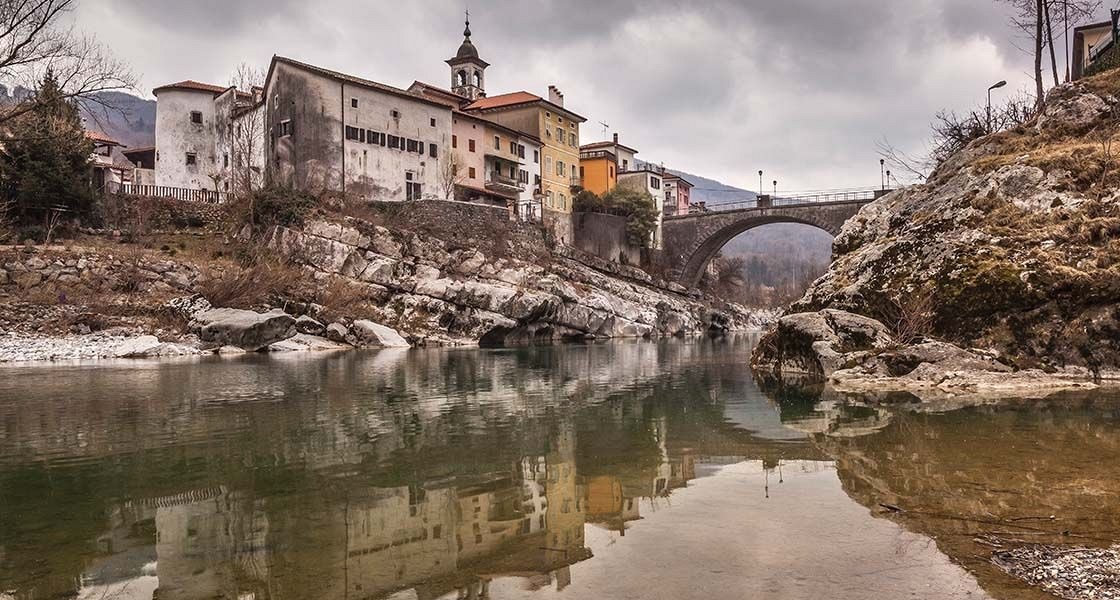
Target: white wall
pixel 176 135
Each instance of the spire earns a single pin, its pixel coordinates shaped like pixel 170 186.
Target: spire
pixel 467 31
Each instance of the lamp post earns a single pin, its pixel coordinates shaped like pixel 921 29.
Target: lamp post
pixel 775 188
pixel 760 181
pixel 994 86
pixel 882 175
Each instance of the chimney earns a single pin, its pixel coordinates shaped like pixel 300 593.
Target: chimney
pixel 555 96
pixel 616 138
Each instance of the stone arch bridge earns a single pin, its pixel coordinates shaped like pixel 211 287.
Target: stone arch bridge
pixel 691 241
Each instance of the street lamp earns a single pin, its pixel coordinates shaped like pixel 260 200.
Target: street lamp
pixel 882 177
pixel 775 188
pixel 995 86
pixel 760 181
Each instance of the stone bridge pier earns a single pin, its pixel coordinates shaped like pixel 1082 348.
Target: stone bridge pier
pixel 691 241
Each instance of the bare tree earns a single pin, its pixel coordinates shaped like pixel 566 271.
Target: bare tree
pixel 247 129
pixel 33 40
pixel 450 175
pixel 1033 19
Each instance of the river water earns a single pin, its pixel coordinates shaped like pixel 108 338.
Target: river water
pixel 627 470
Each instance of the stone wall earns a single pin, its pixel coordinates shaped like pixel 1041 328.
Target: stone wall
pixel 465 225
pixel 558 225
pixel 604 236
pixel 74 273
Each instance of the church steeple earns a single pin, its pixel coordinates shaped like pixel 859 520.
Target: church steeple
pixel 467 69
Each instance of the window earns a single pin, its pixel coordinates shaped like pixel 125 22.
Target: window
pixel 461 78
pixel 432 121
pixel 196 117
pixel 362 135
pixel 560 134
pixel 470 145
pixel 521 151
pixel 610 168
pixel 655 182
pixel 548 164
pixel 286 128
pixel 563 201
pixel 537 156
pixel 513 171
pixel 396 114
pixel 513 148
pixel 548 134
pixel 411 145
pixel 454 141
pixel 560 168
pixel 353 103
pixel 371 136
pixel 581 172
pixel 536 181
pixel 471 172
pixel 572 139
pixel 548 115
pixel 225 160
pixel 497 143
pixel 477 79
pixel 192 159
pixel 394 141
pixel 625 165
pixel 548 196
pixel 559 119
pixel 432 150
pixel 412 189
pixel 523 176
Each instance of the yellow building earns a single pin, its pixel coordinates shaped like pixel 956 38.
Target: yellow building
pixel 556 127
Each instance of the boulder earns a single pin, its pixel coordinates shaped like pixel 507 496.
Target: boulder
pixel 309 326
pixel 337 332
pixel 302 342
pixel 243 328
pixel 148 346
pixel 374 335
pixel 189 306
pixel 819 343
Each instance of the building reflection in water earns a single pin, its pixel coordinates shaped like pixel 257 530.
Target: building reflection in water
pixel 405 476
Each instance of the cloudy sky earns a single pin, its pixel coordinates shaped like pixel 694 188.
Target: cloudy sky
pixel 802 89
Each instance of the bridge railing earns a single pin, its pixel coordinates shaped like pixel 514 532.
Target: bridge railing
pixel 784 199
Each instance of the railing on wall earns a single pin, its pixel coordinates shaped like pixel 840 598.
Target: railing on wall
pixel 165 191
pixel 786 199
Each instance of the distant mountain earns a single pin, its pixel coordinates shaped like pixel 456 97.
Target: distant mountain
pixel 130 120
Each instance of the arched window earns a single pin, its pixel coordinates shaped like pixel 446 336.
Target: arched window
pixel 461 77
pixel 477 79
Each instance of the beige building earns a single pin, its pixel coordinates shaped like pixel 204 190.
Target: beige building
pixel 1089 43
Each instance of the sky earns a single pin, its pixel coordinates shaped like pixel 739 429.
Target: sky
pixel 800 89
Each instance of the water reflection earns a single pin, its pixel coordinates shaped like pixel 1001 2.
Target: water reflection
pixel 506 473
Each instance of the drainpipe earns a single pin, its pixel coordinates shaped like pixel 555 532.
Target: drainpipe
pixel 342 107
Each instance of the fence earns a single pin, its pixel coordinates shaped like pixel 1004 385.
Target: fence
pixel 164 191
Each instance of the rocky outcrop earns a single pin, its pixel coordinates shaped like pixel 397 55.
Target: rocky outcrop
pixel 374 335
pixel 435 293
pixel 1013 245
pixel 243 328
pixel 853 353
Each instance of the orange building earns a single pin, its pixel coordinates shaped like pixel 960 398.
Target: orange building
pixel 599 170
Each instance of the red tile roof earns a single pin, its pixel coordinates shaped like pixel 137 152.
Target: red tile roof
pixel 101 138
pixel 190 84
pixel 511 99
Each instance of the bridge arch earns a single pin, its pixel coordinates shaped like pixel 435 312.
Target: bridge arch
pixel 692 241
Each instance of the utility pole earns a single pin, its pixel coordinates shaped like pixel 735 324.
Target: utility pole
pixel 1065 18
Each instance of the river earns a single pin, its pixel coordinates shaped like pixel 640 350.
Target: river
pixel 624 470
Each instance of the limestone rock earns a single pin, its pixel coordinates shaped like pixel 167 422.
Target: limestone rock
pixel 189 306
pixel 337 332
pixel 243 328
pixel 370 334
pixel 302 342
pixel 819 343
pixel 148 346
pixel 309 326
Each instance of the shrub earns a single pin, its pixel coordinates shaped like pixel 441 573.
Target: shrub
pixel 272 205
pixel 259 280
pixel 639 209
pixel 588 201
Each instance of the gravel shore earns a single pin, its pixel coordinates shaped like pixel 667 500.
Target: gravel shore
pixel 18 347
pixel 1070 573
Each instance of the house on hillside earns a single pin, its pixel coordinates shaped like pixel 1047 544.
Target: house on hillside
pixel 677 194
pixel 1095 48
pixel 650 179
pixel 104 172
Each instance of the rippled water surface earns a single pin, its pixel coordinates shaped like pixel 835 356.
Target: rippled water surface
pixel 628 470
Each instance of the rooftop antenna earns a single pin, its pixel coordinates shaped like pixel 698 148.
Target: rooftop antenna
pixel 606 128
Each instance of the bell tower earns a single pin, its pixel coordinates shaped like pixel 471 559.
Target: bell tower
pixel 468 71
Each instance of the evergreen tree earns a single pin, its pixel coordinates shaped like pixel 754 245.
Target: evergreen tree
pixel 46 158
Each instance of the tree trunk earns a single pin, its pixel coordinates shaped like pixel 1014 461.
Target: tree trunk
pixel 1050 42
pixel 1039 15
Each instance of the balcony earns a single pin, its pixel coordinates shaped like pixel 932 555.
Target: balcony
pixel 577 181
pixel 497 182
